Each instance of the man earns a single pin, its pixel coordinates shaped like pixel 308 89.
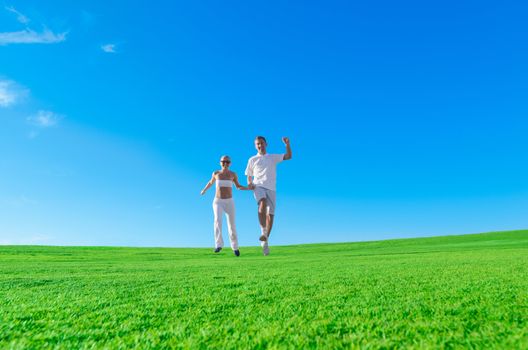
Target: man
pixel 261 174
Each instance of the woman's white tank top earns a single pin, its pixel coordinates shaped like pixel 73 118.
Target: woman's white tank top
pixel 224 183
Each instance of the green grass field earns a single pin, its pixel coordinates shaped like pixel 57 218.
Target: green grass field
pixel 450 292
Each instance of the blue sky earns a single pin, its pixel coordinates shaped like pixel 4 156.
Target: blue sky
pixel 406 118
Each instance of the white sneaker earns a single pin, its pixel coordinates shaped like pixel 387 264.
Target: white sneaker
pixel 263 236
pixel 265 248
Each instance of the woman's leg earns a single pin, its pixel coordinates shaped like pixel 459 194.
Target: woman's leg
pixel 230 213
pixel 218 211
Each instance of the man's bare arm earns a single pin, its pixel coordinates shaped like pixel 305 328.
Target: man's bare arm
pixel 288 154
pixel 250 182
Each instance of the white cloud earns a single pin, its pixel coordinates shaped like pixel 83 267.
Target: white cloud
pixel 7 96
pixel 20 17
pixel 11 93
pixel 109 48
pixel 43 119
pixel 28 36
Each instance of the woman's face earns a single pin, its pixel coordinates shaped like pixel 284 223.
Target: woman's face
pixel 224 162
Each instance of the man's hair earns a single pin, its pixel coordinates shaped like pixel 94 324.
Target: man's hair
pixel 261 138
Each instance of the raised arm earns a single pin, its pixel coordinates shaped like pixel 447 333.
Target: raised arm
pixel 209 184
pixel 237 184
pixel 288 154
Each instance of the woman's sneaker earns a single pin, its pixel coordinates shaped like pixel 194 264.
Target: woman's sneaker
pixel 237 252
pixel 217 250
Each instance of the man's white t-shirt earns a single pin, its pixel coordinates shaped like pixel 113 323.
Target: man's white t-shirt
pixel 263 168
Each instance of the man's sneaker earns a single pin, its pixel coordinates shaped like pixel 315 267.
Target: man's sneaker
pixel 263 238
pixel 265 249
pixel 217 250
pixel 237 252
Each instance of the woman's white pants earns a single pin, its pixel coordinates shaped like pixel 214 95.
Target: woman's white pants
pixel 227 206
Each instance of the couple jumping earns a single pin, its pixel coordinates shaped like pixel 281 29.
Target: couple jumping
pixel 261 172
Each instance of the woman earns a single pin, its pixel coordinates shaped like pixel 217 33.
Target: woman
pixel 224 203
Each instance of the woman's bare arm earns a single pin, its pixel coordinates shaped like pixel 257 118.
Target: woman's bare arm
pixel 209 184
pixel 237 184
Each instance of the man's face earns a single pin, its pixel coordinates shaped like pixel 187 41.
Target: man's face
pixel 260 145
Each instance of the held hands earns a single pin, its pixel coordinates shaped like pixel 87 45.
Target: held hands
pixel 251 186
pixel 286 140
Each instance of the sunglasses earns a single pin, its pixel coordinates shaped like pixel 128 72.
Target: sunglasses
pixel 225 161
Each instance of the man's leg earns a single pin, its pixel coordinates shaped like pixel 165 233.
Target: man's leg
pixel 269 223
pixel 262 214
pixel 271 197
pixel 265 244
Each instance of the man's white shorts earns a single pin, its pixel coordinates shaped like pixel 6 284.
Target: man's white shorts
pixel 269 195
